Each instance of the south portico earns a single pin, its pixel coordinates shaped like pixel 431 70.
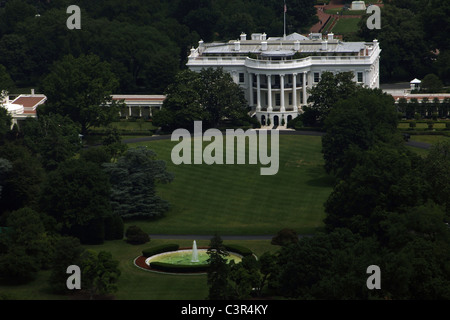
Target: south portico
pixel 277 96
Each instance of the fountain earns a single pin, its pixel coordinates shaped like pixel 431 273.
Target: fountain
pixel 194 252
pixel 184 260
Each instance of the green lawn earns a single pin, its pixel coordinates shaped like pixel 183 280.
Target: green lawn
pixel 432 139
pixel 346 25
pixel 135 283
pixel 422 125
pixel 236 199
pixel 227 199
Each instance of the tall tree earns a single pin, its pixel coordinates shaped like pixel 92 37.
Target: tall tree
pixel 357 123
pixel 76 194
pixel 218 270
pixel 330 89
pixel 81 88
pixel 55 138
pixel 100 273
pixel 27 246
pixel 133 178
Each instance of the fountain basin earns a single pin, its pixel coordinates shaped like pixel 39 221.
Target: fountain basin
pixel 184 257
pixel 180 261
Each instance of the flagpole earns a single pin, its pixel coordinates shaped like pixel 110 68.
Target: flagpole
pixel 284 12
pixel 284 9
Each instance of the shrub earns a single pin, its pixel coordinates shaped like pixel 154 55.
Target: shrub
pixel 114 227
pixel 412 124
pixel 430 125
pixel 447 125
pixel 136 235
pixel 243 251
pixel 159 249
pixel 295 123
pixel 285 237
pixel 179 268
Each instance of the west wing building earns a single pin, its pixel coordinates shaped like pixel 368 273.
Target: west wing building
pixel 276 72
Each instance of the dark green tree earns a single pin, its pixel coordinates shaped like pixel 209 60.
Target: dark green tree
pixel 22 184
pixel 330 89
pixel 182 104
pixel 220 96
pixel 53 137
pixel 133 180
pixel 357 123
pixel 6 82
pixel 99 273
pixel 77 194
pixel 28 247
pixel 218 271
pixel 81 88
pixel 67 252
pixel 431 84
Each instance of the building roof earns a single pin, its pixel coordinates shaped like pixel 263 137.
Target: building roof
pixel 29 102
pixel 135 97
pixel 286 46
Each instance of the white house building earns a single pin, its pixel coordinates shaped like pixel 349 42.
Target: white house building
pixel 276 72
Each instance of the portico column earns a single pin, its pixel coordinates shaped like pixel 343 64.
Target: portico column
pixel 282 109
pixel 304 89
pixel 269 93
pixel 250 76
pixel 129 111
pixel 258 92
pixel 294 91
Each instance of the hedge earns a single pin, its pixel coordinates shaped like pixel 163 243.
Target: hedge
pixel 243 251
pixel 159 249
pixel 179 268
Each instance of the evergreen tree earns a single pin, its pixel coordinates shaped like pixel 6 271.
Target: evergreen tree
pixel 133 180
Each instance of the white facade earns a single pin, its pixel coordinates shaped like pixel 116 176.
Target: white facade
pixel 276 72
pixel 139 105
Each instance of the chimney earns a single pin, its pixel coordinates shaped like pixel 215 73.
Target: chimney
pixel 297 45
pixel 32 92
pixel 243 36
pixel 263 45
pixel 201 45
pixel 330 36
pixel 264 37
pixel 237 46
pixel 324 45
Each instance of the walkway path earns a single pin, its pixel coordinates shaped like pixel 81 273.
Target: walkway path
pixel 323 17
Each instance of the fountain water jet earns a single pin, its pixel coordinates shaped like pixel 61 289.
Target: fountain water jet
pixel 194 252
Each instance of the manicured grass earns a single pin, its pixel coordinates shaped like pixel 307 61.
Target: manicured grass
pixel 346 25
pixel 422 125
pixel 227 199
pixel 236 199
pixel 135 283
pixel 432 139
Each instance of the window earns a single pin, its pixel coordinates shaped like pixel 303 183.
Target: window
pixel 241 78
pixel 290 98
pixel 277 99
pixel 360 77
pixel 316 77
